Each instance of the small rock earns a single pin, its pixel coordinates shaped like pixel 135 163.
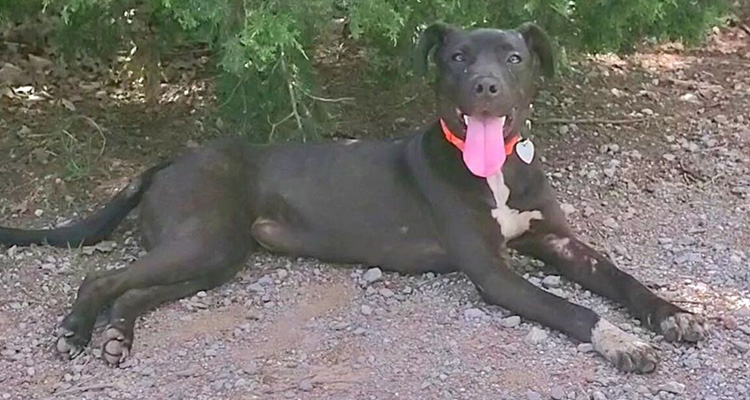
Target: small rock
pixel 252 315
pixel 39 63
pixel 385 292
pixel 741 346
pixel 551 281
pixel 647 111
pixel 407 290
pixel 532 395
pixel 265 281
pixel 729 322
pixel 217 386
pixel 690 98
pixel 597 395
pixel 721 119
pixel 251 369
pixel 610 223
pixel 563 129
pixel 669 157
pixel 189 371
pixel 585 347
pixel 673 387
pixel 256 287
pixel 588 211
pixel 510 322
pixel 568 209
pixel 474 313
pixel 536 336
pixel 11 75
pixel 557 393
pixel 340 326
pixel 282 273
pixel 366 310
pixel 305 385
pixel 372 275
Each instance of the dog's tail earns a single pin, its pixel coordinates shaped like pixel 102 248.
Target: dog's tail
pixel 96 227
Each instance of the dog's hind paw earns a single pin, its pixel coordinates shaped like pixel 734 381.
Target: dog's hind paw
pixel 116 346
pixel 684 327
pixel 68 345
pixel 624 350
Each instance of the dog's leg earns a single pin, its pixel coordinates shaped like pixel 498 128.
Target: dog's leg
pixel 119 335
pixel 581 263
pixel 500 286
pixel 480 255
pixel 164 266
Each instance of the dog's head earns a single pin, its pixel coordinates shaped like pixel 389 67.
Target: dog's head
pixel 486 78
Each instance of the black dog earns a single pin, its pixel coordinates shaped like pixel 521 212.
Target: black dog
pixel 450 198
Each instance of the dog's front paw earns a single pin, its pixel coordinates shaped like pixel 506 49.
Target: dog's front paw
pixel 116 346
pixel 683 326
pixel 624 350
pixel 68 345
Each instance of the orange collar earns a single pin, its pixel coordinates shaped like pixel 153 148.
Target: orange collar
pixel 459 143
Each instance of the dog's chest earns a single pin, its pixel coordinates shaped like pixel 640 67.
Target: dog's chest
pixel 513 223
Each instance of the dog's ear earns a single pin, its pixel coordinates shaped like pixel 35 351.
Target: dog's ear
pixel 430 38
pixel 539 43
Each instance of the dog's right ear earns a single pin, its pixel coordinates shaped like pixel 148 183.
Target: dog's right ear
pixel 539 44
pixel 429 40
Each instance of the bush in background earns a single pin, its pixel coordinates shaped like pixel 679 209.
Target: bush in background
pixel 263 49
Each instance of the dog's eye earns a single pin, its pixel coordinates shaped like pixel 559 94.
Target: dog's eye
pixel 515 59
pixel 458 57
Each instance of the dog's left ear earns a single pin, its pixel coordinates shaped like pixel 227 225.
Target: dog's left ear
pixel 431 38
pixel 539 43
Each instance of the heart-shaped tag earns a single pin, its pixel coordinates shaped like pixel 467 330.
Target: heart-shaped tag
pixel 525 150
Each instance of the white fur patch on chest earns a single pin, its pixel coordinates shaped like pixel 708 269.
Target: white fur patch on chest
pixel 513 223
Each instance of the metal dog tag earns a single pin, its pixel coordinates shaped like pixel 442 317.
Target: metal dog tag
pixel 525 150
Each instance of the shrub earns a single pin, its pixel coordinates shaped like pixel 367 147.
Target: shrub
pixel 264 48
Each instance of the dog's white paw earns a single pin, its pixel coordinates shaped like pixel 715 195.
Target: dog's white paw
pixel 624 350
pixel 683 327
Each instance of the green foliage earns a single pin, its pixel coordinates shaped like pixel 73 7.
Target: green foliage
pixel 264 49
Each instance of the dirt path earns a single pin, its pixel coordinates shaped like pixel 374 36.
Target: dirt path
pixel 666 194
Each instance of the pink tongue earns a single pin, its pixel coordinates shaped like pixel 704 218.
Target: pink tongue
pixel 484 147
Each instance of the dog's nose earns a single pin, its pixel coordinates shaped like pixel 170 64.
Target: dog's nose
pixel 487 86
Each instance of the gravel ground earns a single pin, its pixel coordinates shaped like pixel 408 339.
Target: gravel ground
pixel 667 199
